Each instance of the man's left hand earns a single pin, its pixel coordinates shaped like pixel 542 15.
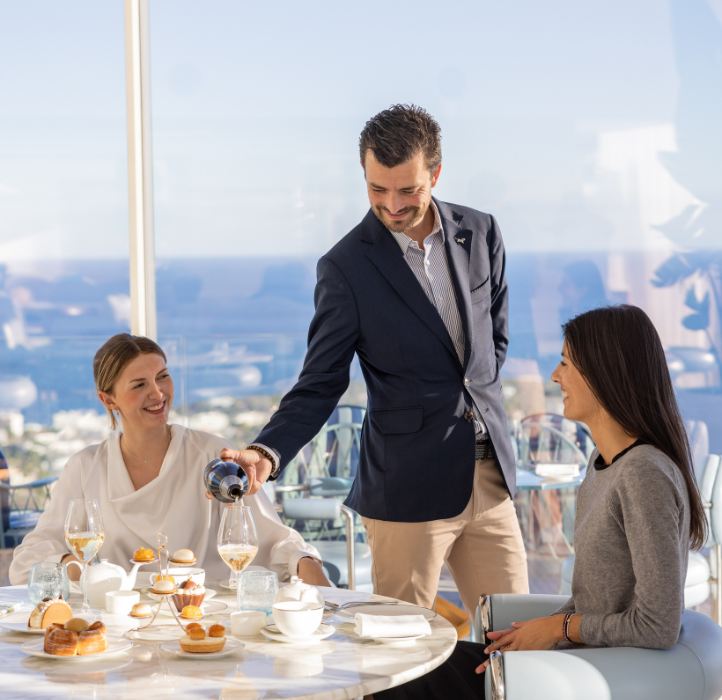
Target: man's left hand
pixel 537 634
pixel 310 571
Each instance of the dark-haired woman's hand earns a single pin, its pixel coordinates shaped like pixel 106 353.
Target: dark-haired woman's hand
pixel 537 634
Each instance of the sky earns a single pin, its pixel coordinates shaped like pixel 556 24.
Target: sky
pixel 547 111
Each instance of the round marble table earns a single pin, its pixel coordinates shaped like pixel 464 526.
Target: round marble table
pixel 340 667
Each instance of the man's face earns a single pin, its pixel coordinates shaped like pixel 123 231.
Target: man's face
pixel 400 196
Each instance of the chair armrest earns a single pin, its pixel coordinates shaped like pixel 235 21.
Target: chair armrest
pixel 330 486
pixel 31 484
pixel 498 611
pixel 312 509
pixel 692 669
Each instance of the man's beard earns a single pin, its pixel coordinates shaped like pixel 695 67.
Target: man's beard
pixel 417 215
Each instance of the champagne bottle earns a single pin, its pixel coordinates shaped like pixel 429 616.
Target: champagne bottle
pixel 225 480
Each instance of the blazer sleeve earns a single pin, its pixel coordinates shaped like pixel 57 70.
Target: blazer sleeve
pixel 332 338
pixel 499 292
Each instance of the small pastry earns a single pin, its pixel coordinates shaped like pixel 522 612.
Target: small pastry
pixel 193 625
pixel 141 610
pixel 189 593
pixel 163 587
pixel 217 631
pixel 191 612
pixel 48 611
pixel 204 644
pixel 197 633
pixel 144 554
pixel 93 641
pixel 59 642
pixel 183 556
pixel 76 624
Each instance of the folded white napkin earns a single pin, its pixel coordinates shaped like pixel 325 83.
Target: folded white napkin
pixel 390 625
pixel 557 471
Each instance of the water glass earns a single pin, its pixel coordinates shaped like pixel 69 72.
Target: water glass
pixel 48 580
pixel 256 590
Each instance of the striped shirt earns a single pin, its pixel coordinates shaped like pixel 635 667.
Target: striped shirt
pixel 431 268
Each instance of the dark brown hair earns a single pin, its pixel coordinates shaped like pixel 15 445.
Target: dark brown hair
pixel 110 361
pixel 618 352
pixel 398 133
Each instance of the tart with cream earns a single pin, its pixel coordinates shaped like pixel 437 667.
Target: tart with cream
pixel 183 556
pixel 197 641
pixel 141 610
pixel 163 587
pixel 188 593
pixel 49 611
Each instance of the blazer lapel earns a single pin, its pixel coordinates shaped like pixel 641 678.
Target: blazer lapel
pixel 386 254
pixel 458 247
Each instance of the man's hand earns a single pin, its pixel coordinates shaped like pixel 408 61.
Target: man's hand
pixel 73 571
pixel 254 464
pixel 311 572
pixel 540 633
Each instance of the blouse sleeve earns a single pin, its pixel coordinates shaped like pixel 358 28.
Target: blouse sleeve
pixel 47 541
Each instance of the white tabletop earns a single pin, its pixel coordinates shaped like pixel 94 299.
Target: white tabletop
pixel 340 667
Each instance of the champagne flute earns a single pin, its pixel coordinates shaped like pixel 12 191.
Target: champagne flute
pixel 84 535
pixel 237 539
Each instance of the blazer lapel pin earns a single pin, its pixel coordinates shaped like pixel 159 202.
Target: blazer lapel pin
pixel 460 240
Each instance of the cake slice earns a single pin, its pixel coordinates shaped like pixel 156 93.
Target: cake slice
pixel 49 611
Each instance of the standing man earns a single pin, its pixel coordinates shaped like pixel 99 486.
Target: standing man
pixel 417 291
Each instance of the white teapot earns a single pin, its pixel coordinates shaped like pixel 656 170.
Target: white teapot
pixel 105 577
pixel 298 590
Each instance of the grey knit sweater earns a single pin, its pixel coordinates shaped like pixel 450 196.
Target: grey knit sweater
pixel 631 536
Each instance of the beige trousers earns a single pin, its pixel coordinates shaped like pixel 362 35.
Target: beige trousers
pixel 482 547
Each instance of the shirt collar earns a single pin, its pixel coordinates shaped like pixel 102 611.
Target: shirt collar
pixel 404 241
pixel 599 464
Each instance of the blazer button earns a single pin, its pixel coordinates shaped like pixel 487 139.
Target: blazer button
pixel 469 415
pixel 467 381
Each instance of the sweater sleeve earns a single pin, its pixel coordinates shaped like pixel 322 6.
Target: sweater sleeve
pixel 568 607
pixel 47 541
pixel 650 510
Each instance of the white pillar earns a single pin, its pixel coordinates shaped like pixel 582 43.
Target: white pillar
pixel 140 170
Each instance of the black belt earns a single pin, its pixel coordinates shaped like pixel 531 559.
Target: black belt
pixel 485 449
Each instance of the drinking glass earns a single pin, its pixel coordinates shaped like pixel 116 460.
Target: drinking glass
pixel 237 538
pixel 48 580
pixel 84 535
pixel 257 591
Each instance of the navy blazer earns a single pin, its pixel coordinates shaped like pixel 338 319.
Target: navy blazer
pixel 417 444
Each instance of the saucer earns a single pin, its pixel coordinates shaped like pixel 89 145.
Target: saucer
pixel 323 631
pixel 229 584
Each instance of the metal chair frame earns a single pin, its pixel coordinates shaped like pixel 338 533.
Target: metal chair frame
pixel 37 494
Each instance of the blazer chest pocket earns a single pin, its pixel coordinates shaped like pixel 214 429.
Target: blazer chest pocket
pixel 394 421
pixel 481 292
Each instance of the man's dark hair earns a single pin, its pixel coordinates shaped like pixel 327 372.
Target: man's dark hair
pixel 398 133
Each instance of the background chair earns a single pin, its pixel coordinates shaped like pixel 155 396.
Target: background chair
pixel 691 670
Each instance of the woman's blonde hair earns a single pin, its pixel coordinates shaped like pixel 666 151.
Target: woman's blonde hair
pixel 110 361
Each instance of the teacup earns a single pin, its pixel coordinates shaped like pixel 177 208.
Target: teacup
pixel 121 602
pixel 246 623
pixel 296 618
pixel 182 573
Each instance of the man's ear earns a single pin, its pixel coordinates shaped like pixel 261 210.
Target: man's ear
pixel 435 176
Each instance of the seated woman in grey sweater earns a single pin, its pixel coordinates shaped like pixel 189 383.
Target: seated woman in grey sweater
pixel 638 508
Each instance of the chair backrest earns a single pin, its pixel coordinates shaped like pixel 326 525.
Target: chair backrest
pixel 552 438
pixel 711 492
pixel 699 445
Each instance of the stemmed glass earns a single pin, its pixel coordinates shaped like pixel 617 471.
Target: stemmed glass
pixel 237 539
pixel 84 535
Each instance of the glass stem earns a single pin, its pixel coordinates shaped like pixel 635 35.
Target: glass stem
pixel 85 587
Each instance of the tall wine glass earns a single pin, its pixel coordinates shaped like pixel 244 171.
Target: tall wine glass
pixel 237 539
pixel 84 535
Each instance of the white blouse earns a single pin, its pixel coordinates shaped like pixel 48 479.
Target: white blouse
pixel 174 503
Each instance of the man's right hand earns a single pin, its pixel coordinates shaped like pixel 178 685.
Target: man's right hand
pixel 253 463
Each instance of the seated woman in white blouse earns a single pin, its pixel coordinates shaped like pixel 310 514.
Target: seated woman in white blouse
pixel 149 479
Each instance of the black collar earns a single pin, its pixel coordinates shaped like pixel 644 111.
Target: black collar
pixel 599 461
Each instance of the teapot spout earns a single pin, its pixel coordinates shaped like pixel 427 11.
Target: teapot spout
pixel 129 582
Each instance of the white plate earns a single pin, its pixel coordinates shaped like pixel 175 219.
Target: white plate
pixel 385 611
pixel 231 646
pixel 143 563
pixel 208 609
pixel 397 641
pixel 18 622
pixel 231 585
pixel 209 594
pixel 324 630
pixel 156 633
pixel 115 645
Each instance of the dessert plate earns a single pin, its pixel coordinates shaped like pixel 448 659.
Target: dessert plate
pixel 18 622
pixel 231 646
pixel 35 648
pixel 323 631
pixel 209 594
pixel 143 563
pixel 386 611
